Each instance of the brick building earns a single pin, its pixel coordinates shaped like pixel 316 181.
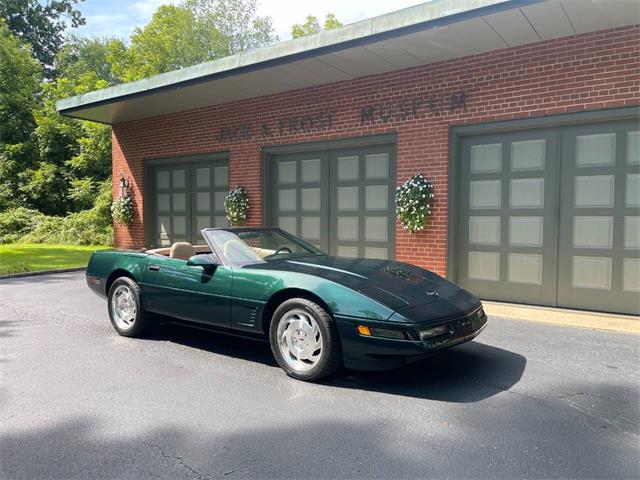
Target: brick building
pixel 523 115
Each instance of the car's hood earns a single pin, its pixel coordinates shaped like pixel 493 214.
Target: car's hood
pixel 397 285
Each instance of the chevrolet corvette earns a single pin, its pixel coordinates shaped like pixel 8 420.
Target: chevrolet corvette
pixel 319 313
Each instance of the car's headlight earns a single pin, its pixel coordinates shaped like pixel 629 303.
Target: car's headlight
pixel 434 331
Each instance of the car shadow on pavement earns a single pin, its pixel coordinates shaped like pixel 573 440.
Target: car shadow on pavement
pixel 463 374
pixel 466 373
pixel 215 342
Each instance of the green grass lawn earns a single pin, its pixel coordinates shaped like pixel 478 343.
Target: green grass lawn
pixel 27 257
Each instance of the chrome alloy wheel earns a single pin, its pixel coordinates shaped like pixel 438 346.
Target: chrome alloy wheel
pixel 123 307
pixel 299 340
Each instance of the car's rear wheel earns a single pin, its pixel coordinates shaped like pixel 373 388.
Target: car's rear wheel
pixel 304 340
pixel 126 310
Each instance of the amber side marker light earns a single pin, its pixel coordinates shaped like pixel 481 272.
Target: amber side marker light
pixel 364 330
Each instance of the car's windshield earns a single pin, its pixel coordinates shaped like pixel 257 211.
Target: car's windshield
pixel 247 246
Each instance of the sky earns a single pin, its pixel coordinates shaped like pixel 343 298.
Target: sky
pixel 118 18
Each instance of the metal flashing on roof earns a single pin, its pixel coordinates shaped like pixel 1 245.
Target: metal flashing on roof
pixel 426 33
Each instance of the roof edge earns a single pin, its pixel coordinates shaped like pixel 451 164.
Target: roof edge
pixel 423 16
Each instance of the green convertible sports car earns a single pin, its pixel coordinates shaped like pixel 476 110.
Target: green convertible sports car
pixel 318 312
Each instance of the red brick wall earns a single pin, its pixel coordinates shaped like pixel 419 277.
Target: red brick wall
pixel 584 72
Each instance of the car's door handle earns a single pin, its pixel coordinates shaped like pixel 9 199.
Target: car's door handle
pixel 154 268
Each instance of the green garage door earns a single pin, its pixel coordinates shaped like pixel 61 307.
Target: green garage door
pixel 550 217
pixel 339 200
pixel 599 248
pixel 184 197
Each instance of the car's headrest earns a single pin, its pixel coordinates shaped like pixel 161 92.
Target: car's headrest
pixel 182 250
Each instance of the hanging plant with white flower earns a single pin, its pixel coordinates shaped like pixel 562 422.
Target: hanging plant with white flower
pixel 236 204
pixel 413 203
pixel 122 210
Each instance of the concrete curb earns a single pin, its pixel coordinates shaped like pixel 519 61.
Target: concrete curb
pixel 42 272
pixel 565 317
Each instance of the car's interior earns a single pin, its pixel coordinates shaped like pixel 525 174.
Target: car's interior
pixel 180 250
pixel 184 250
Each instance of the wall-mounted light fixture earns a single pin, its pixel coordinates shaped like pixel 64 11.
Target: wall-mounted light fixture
pixel 124 185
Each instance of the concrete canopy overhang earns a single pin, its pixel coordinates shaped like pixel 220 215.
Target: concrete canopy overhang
pixel 420 35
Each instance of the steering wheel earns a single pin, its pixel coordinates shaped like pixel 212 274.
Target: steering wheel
pixel 282 249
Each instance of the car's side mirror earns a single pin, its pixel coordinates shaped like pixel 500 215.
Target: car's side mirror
pixel 204 261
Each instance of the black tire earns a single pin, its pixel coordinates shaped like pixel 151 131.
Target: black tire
pixel 141 322
pixel 330 356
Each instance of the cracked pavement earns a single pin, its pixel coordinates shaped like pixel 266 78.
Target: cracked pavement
pixel 525 400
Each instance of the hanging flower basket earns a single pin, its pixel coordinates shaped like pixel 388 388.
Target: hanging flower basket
pixel 236 204
pixel 122 210
pixel 413 203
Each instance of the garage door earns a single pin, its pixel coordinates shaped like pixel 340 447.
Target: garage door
pixel 182 198
pixel 339 200
pixel 550 217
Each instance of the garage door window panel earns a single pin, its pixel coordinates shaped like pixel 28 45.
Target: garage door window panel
pixel 632 190
pixel 484 230
pixel 632 232
pixel 377 166
pixel 592 272
pixel 525 268
pixel 595 150
pixel 486 158
pixel 484 266
pixel 528 155
pixel 526 193
pixel 485 194
pixel 631 275
pixel 594 191
pixel 526 231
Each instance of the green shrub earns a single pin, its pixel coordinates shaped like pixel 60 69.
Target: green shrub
pixel 87 227
pixel 11 269
pixel 80 228
pixel 16 222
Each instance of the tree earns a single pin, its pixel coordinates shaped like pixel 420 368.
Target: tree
pixel 230 26
pixel 99 55
pixel 41 24
pixel 73 156
pixel 167 42
pixel 20 77
pixel 55 164
pixel 192 32
pixel 312 26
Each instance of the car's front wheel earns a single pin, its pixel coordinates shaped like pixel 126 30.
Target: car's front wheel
pixel 125 308
pixel 304 340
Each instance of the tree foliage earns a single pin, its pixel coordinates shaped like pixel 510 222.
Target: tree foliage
pixel 20 77
pixel 192 32
pixel 41 24
pixel 59 166
pixel 312 26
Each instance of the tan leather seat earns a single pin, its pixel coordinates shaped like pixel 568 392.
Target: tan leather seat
pixel 182 250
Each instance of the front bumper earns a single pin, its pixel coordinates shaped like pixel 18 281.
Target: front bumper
pixel 375 353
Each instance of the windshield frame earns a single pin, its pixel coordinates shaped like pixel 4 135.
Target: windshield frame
pixel 223 260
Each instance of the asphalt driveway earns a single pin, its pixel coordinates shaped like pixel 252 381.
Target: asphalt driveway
pixel 524 400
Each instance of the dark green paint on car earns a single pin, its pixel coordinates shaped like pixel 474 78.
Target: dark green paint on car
pixel 232 295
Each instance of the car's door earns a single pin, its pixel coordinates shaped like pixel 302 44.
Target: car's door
pixel 173 288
